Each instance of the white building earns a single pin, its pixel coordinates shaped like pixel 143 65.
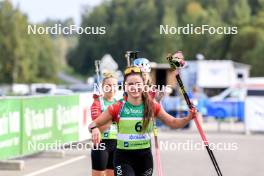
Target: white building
pixel 211 75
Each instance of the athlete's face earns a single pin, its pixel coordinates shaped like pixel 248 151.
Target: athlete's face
pixel 110 87
pixel 146 77
pixel 134 86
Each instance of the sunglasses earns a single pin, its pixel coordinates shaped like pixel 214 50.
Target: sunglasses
pixel 129 70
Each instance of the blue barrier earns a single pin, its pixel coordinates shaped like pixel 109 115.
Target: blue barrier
pixel 226 109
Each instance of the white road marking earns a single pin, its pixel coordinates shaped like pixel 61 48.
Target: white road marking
pixel 41 171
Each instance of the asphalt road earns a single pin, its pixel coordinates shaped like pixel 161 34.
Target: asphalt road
pixel 181 155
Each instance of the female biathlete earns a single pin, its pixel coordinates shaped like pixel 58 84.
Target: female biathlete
pixel 102 156
pixel 134 118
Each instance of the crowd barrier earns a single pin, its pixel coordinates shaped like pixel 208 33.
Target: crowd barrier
pixel 29 125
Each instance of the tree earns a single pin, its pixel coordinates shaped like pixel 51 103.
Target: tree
pixel 21 54
pixel 164 44
pixel 134 25
pixel 129 26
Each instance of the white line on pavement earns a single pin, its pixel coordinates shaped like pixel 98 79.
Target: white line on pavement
pixel 56 166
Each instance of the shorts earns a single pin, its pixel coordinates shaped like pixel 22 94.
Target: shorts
pixel 133 162
pixel 103 159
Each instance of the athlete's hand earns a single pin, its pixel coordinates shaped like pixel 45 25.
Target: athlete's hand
pixel 96 96
pixel 192 113
pixel 179 55
pixel 96 136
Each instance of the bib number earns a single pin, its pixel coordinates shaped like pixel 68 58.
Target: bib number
pixel 138 127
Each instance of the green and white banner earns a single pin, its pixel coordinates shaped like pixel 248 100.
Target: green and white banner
pixel 49 120
pixel 32 124
pixel 10 128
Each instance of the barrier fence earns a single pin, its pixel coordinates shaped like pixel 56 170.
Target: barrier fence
pixel 31 124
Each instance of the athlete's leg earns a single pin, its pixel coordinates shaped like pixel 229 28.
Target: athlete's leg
pixel 122 164
pixel 109 172
pixel 124 170
pixel 99 162
pixel 111 148
pixel 143 163
pixel 98 173
pixel 110 165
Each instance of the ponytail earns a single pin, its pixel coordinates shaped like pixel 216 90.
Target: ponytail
pixel 148 110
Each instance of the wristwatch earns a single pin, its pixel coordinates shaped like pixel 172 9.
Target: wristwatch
pixel 92 126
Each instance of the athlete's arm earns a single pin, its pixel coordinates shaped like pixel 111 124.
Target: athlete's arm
pixel 173 122
pixel 105 127
pixel 95 112
pixel 101 120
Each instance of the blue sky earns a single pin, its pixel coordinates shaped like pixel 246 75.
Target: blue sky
pixel 39 10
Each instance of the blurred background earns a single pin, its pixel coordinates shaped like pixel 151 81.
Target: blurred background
pixel 224 75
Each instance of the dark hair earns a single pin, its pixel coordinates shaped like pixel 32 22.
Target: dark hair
pixel 148 104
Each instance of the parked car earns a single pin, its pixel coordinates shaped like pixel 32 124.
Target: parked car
pixel 229 103
pixel 50 89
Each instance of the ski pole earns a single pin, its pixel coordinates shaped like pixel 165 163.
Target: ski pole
pixel 130 56
pixel 97 71
pixel 175 63
pixel 157 150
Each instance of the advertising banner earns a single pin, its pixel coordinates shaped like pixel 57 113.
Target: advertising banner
pixel 86 100
pixel 10 128
pixel 254 113
pixel 49 122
